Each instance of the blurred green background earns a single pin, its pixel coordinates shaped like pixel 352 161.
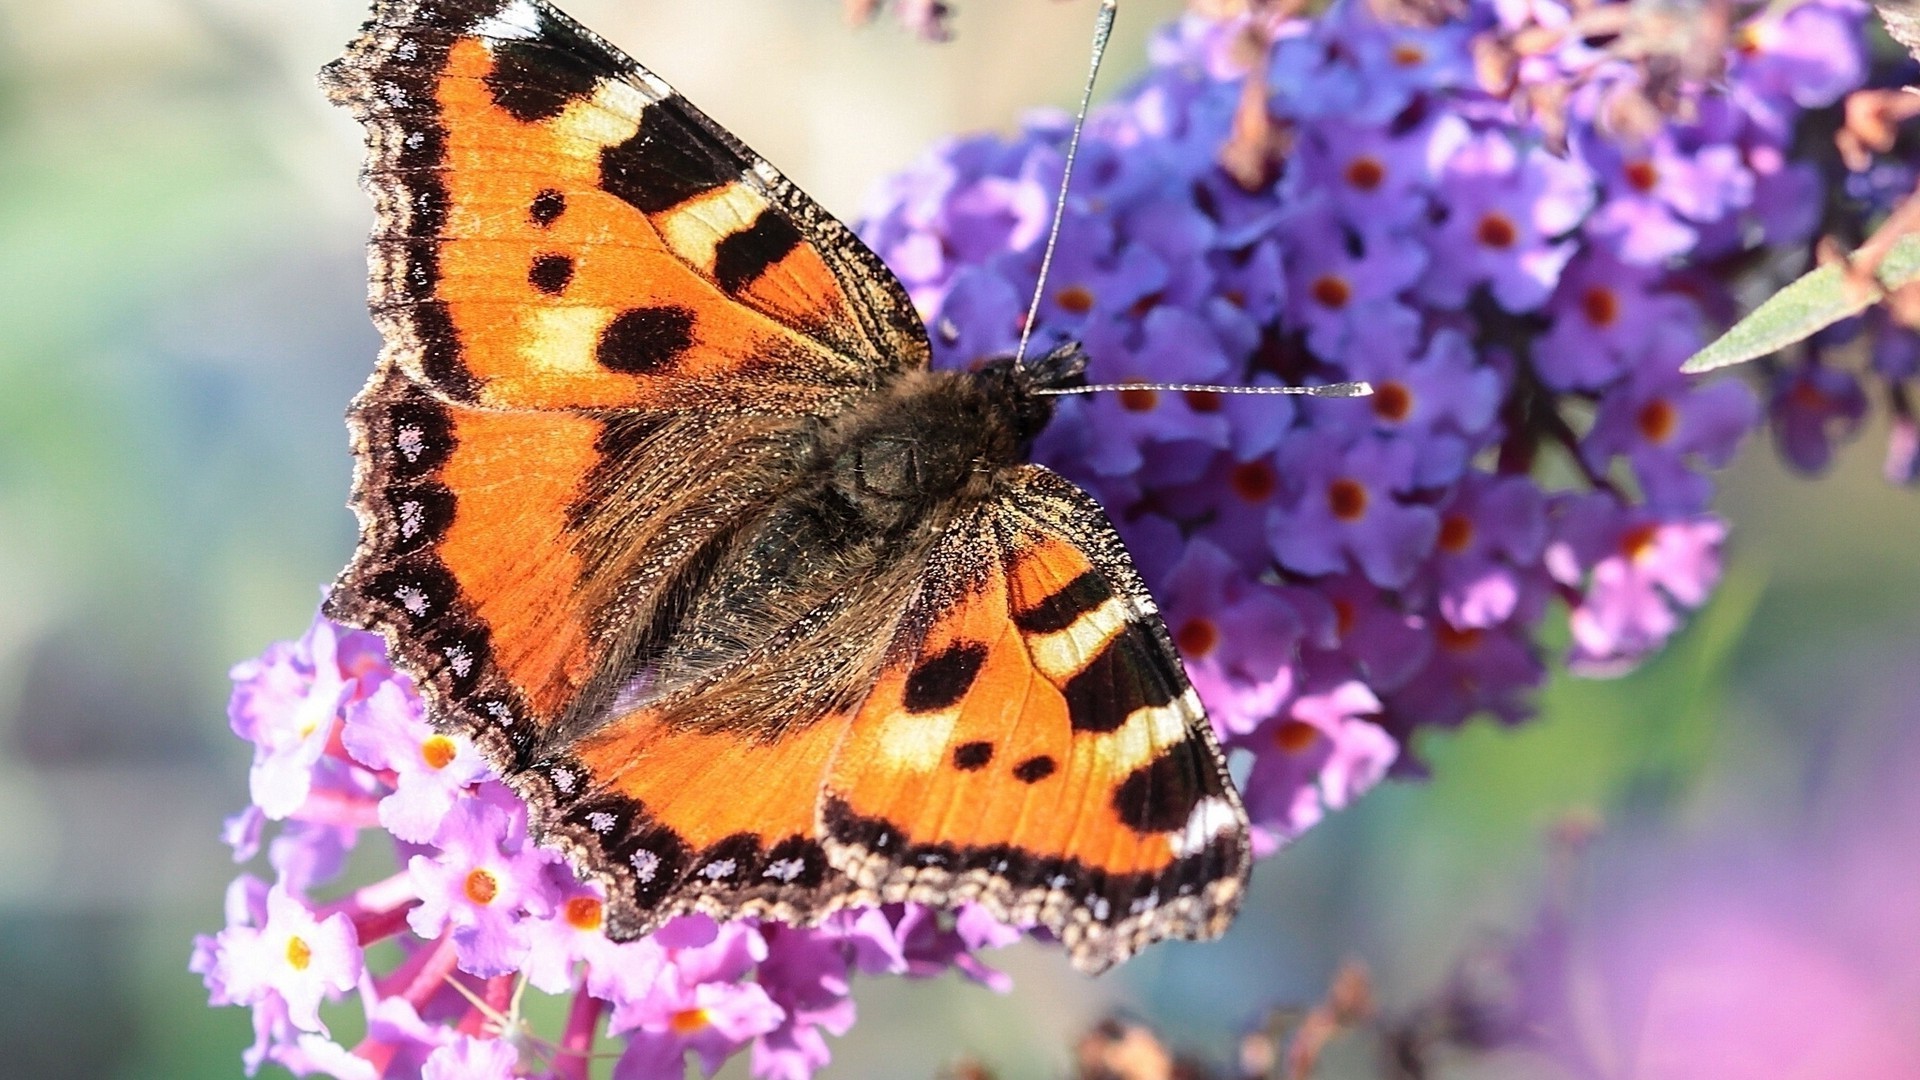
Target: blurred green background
pixel 181 326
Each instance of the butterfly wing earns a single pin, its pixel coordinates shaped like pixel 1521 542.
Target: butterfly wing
pixel 559 229
pixel 1032 742
pixel 607 323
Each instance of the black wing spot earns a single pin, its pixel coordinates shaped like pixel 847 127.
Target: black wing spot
pixel 533 81
pixel 547 207
pixel 419 435
pixel 972 756
pixel 644 340
pixel 1120 681
pixel 1065 607
pixel 668 161
pixel 942 679
pixel 551 274
pixel 1035 769
pixel 742 257
pixel 1160 795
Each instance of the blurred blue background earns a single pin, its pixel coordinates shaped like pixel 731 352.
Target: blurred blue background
pixel 182 324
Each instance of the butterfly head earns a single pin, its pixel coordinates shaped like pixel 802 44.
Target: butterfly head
pixel 1020 389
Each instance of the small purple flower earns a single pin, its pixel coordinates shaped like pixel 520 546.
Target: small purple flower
pixel 1320 755
pixel 697 1004
pixel 1660 421
pixel 1370 630
pixel 1658 193
pixel 1605 314
pixel 1441 402
pixel 1375 177
pixel 1398 62
pixel 290 956
pixel 287 703
pixel 979 319
pixel 573 932
pixel 1236 637
pixel 1491 537
pixel 1469 671
pixel 483 884
pixel 1119 430
pixel 1507 210
pixel 1344 286
pixel 1344 508
pixel 1810 53
pixel 1632 570
pixel 1813 407
pixel 386 731
pixel 807 976
pixel 933 942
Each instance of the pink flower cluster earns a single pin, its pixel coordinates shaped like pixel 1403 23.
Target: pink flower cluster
pixel 439 954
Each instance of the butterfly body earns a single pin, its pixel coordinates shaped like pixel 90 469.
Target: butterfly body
pixel 663 506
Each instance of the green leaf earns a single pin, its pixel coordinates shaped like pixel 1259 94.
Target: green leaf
pixel 1818 299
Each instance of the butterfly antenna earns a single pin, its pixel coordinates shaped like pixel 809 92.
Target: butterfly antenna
pixel 1102 29
pixel 1328 390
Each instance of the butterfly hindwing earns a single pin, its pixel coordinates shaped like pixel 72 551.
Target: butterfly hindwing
pixel 1032 742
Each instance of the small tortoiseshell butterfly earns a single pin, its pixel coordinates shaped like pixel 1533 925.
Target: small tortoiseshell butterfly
pixel 662 505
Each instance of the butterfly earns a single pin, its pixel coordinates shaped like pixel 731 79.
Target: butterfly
pixel 662 505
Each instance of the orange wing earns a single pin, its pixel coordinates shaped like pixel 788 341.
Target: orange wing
pixel 517 560
pixel 1032 743
pixel 559 229
pixel 607 324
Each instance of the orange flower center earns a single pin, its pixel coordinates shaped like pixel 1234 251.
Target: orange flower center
pixel 1392 401
pixel 299 953
pixel 583 913
pixel 1454 639
pixel 1456 532
pixel 1601 305
pixel 1366 173
pixel 1642 176
pixel 1497 230
pixel 438 751
pixel 1295 736
pixel 1347 498
pixel 1639 540
pixel 1657 420
pixel 1202 401
pixel 688 1021
pixel 1074 298
pixel 1139 400
pixel 1197 637
pixel 1344 616
pixel 1808 396
pixel 1407 55
pixel 482 886
pixel 1331 290
pixel 1253 481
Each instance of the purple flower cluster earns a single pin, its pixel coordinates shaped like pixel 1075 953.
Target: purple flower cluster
pixel 439 954
pixel 1340 574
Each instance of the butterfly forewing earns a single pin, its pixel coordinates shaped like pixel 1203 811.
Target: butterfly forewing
pixel 559 229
